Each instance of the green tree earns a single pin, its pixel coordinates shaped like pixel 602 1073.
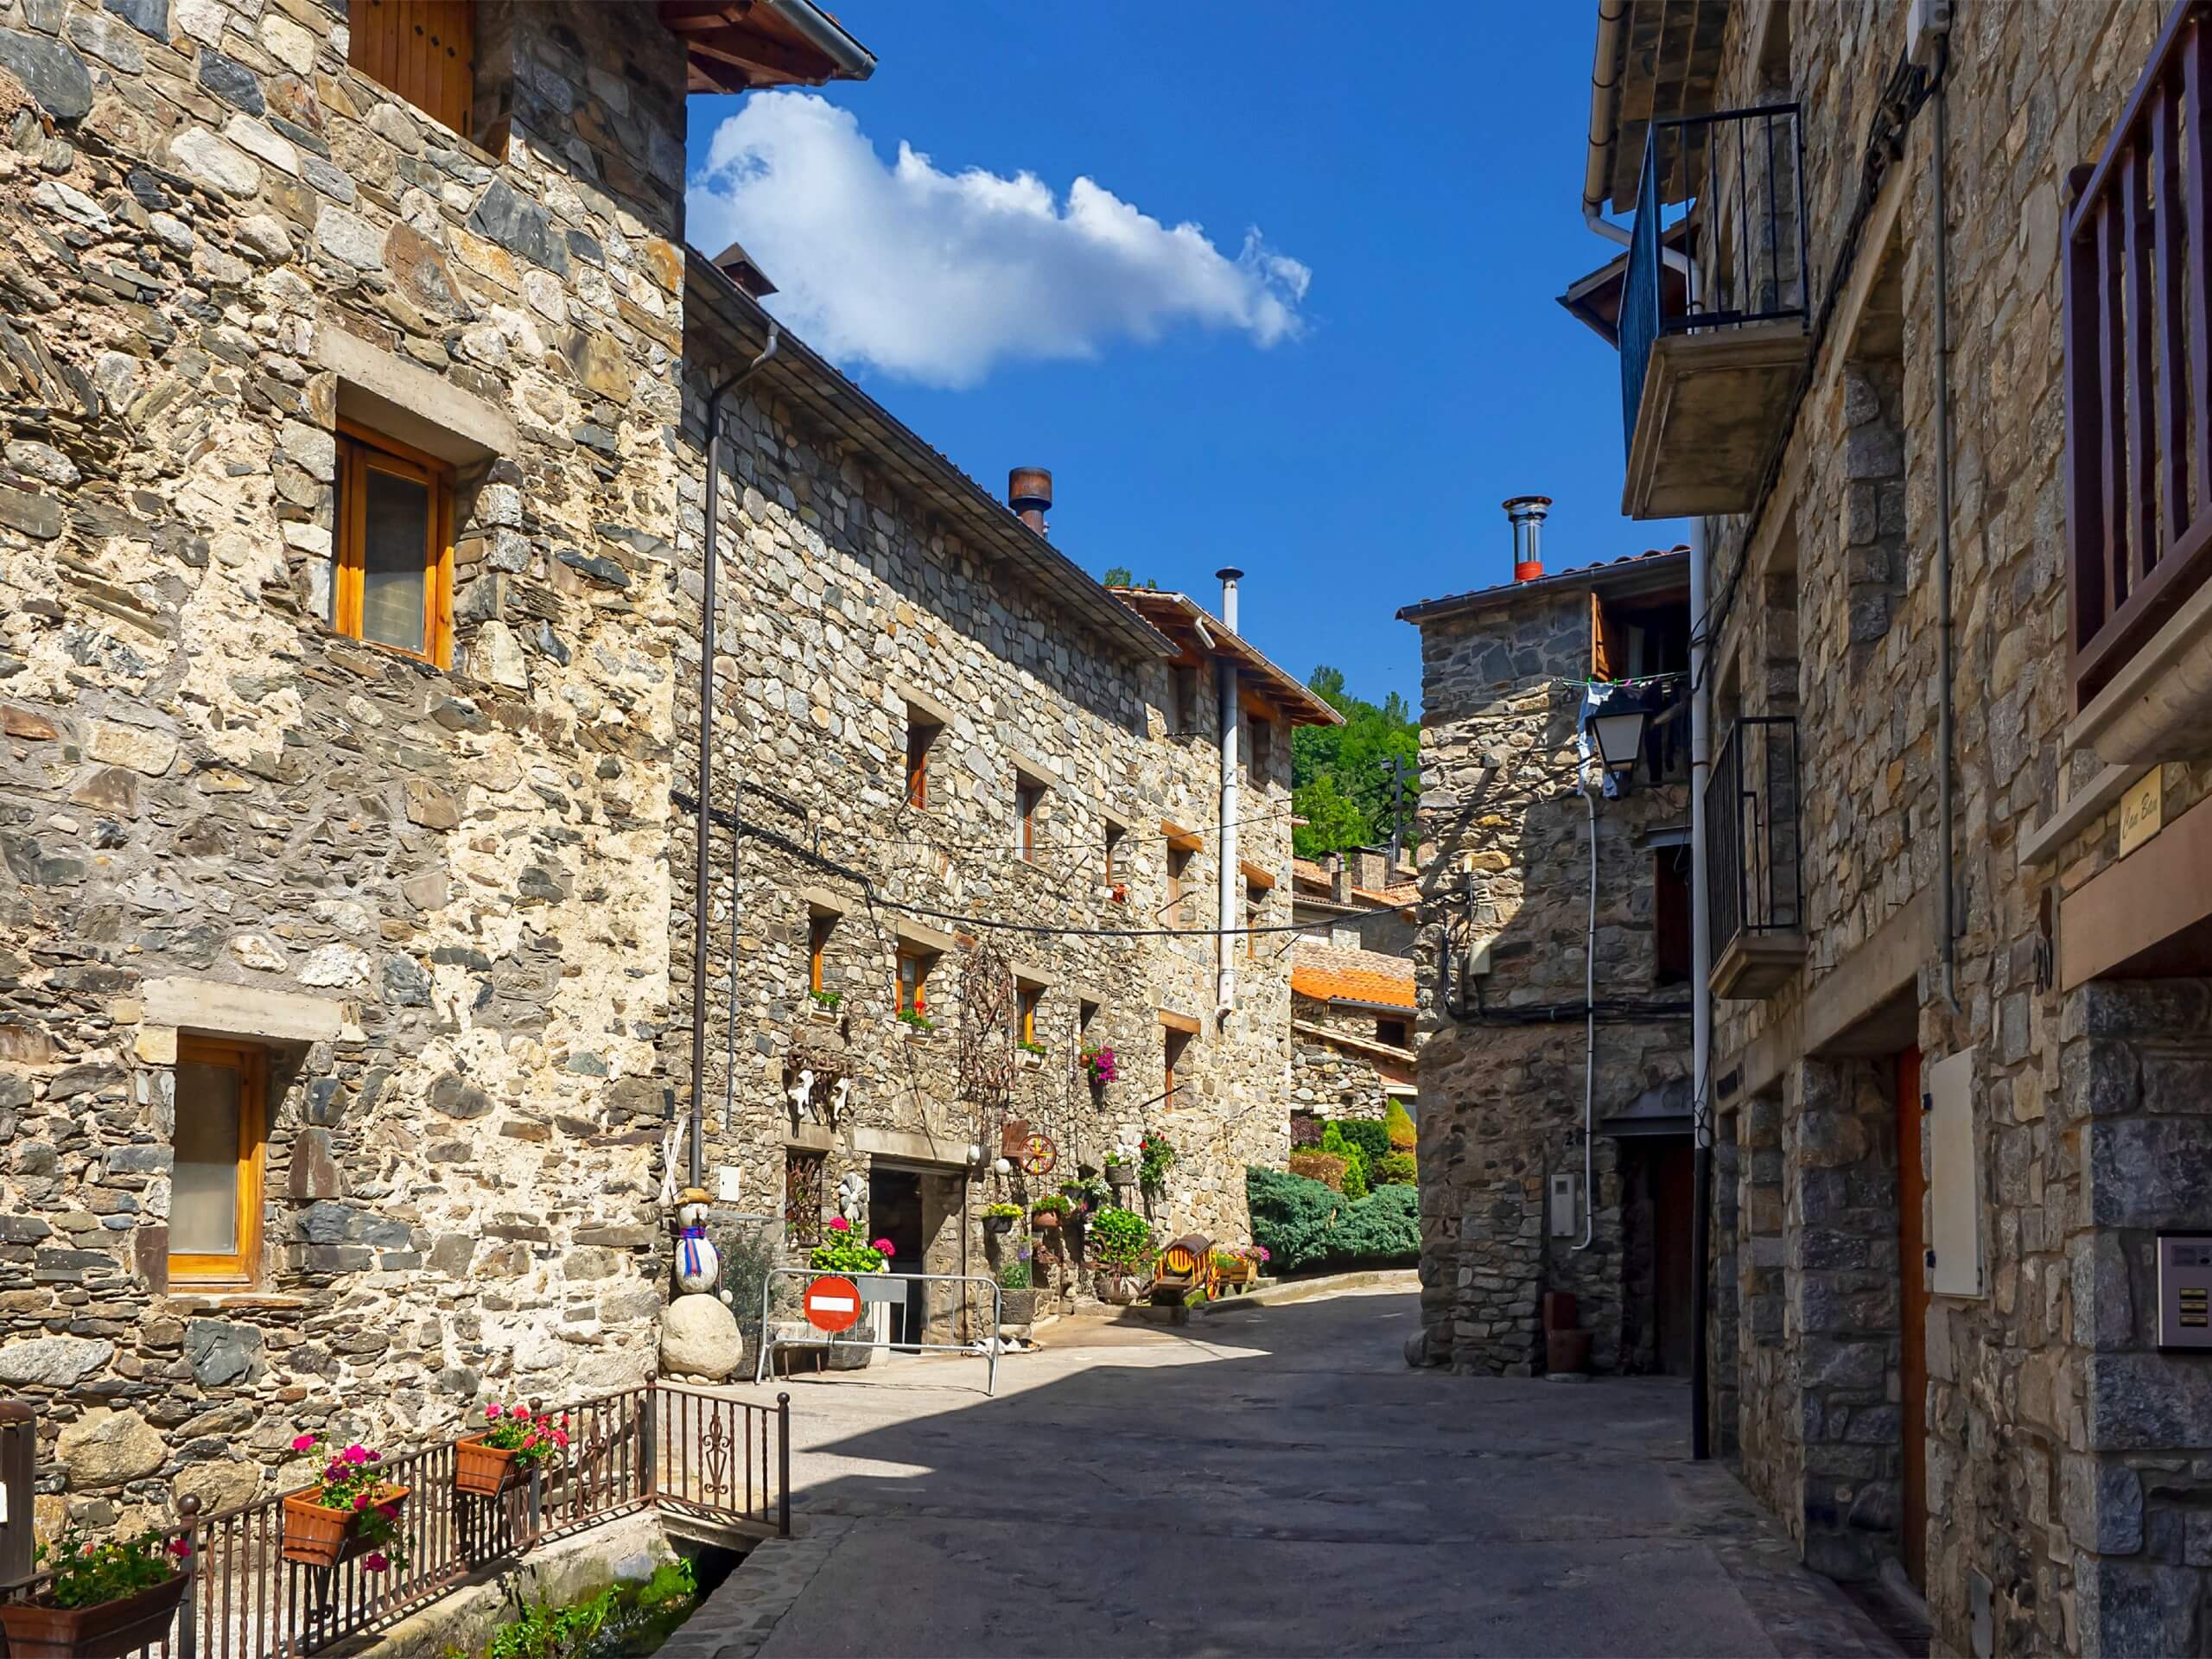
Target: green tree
pixel 1117 577
pixel 1339 775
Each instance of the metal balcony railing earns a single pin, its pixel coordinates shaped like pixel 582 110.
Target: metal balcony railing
pixel 1740 174
pixel 1753 847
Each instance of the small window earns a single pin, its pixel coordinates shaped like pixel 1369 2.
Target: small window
pixel 1026 1000
pixel 394 578
pixel 1183 698
pixel 921 737
pixel 914 965
pixel 217 1151
pixel 1254 919
pixel 1179 867
pixel 1670 916
pixel 1392 1032
pixel 1086 1011
pixel 802 1197
pixel 1176 1044
pixel 1115 836
pixel 424 50
pixel 817 948
pixel 1028 797
pixel 1262 763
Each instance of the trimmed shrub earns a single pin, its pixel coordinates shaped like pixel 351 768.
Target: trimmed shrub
pixel 1323 1168
pixel 1291 1216
pixel 1334 1140
pixel 1370 1135
pixel 1304 1128
pixel 1396 1169
pixel 1398 1125
pixel 1383 1227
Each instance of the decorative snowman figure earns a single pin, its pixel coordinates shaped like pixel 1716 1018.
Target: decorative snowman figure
pixel 698 1264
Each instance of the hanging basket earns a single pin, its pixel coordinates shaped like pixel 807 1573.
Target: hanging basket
pixel 317 1536
pixel 483 1471
pixel 1046 1220
pixel 1121 1176
pixel 1000 1223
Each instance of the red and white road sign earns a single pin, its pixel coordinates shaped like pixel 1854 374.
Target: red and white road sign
pixel 833 1303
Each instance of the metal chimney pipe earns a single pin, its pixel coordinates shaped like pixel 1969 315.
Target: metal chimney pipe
pixel 1232 719
pixel 1229 577
pixel 1527 513
pixel 1029 492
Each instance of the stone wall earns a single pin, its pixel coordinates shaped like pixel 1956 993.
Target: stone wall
pixel 1351 1076
pixel 850 601
pixel 1502 1101
pixel 438 898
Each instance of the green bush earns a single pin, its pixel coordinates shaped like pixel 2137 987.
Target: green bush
pixel 1398 1125
pixel 1370 1135
pixel 1334 1140
pixel 1291 1216
pixel 1396 1169
pixel 1383 1227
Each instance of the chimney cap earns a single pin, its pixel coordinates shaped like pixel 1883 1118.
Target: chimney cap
pixel 734 262
pixel 1229 573
pixel 1524 502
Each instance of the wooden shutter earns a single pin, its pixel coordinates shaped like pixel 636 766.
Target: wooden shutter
pixel 1606 657
pixel 424 50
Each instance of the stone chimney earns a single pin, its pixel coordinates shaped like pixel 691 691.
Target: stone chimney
pixel 1370 869
pixel 1339 881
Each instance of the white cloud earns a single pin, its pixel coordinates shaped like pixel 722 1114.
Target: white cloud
pixel 940 277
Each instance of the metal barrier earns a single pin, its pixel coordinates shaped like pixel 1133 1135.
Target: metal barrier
pixel 871 1287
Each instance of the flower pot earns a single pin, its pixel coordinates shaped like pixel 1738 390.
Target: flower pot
pixel 1121 1176
pixel 1000 1223
pixel 318 1536
pixel 107 1630
pixel 1017 1307
pixel 1116 1288
pixel 1046 1221
pixel 485 1471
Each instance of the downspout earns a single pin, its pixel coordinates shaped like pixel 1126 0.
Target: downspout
pixel 1231 719
pixel 699 861
pixel 1946 735
pixel 1605 99
pixel 1589 1025
pixel 1701 1003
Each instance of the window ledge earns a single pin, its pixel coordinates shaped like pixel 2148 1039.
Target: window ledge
pixel 240 1298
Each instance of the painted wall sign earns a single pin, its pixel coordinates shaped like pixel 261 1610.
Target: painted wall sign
pixel 2142 811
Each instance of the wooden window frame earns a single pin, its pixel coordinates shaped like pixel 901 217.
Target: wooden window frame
pixel 1028 796
pixel 251 1062
pixel 923 961
pixel 921 738
pixel 819 925
pixel 1026 1001
pixel 359 450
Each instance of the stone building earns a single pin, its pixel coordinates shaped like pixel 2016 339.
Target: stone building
pixel 336 693
pixel 1351 985
pixel 1555 1037
pixel 1943 417
pixel 944 744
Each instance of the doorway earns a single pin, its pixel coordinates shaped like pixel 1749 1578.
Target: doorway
pixel 1657 1190
pixel 1912 1320
pixel 894 1211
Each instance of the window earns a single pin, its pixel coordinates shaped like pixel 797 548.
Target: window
pixel 1670 915
pixel 1028 796
pixel 1175 1042
pixel 216 1177
pixel 1027 998
pixel 1262 764
pixel 1179 866
pixel 1114 834
pixel 1183 698
pixel 394 579
pixel 818 946
pixel 802 1197
pixel 914 965
pixel 1085 1012
pixel 921 736
pixel 1254 913
pixel 1392 1032
pixel 424 50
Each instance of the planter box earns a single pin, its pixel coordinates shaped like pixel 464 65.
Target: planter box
pixel 1000 1224
pixel 316 1536
pixel 1120 1177
pixel 107 1630
pixel 821 1015
pixel 485 1471
pixel 1017 1307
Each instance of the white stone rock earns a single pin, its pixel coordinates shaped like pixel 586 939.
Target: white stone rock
pixel 256 139
pixel 151 752
pixel 335 965
pixel 699 1336
pixel 206 159
pixel 349 237
pixel 265 233
pixel 288 43
pixel 57 197
pixel 52 1362
pixel 203 20
pixel 106 1448
pixel 41 460
pixel 259 951
pixel 173 231
pixel 496 656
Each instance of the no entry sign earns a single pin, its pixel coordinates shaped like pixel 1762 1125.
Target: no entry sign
pixel 833 1303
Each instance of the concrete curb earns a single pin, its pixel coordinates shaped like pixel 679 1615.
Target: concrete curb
pixel 1300 1290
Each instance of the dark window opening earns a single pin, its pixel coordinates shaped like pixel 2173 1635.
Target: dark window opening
pixel 1670 916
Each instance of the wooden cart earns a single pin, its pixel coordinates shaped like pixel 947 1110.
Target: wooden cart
pixel 1184 1266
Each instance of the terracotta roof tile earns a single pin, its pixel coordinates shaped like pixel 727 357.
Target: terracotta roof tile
pixel 1330 973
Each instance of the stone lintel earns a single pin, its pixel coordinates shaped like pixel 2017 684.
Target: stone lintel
pixel 823 902
pixel 812 1137
pixel 928 938
pixel 409 402
pixel 908 1147
pixel 2075 813
pixel 224 1010
pixel 902 692
pixel 2125 916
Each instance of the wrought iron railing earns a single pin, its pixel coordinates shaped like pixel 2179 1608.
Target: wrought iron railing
pixel 2138 360
pixel 656 1446
pixel 1740 174
pixel 1754 863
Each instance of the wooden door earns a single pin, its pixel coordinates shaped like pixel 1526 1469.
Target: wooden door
pixel 1673 1198
pixel 1912 1317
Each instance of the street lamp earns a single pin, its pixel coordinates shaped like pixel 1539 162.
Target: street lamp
pixel 1620 742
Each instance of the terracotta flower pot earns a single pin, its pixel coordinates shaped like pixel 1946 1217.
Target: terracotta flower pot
pixel 1045 1220
pixel 486 1470
pixel 315 1535
pixel 107 1630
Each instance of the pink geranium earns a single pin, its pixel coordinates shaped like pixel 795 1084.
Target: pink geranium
pixel 376 1561
pixel 356 1453
pixel 490 1411
pixel 304 1442
pixel 839 1224
pixel 885 1246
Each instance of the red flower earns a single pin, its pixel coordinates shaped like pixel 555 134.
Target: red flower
pixel 180 1547
pixel 361 1502
pixel 376 1561
pixel 390 1511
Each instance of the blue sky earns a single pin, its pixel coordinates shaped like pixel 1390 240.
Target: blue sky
pixel 1344 432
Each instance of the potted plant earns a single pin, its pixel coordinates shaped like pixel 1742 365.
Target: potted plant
pixel 1155 1155
pixel 1029 1056
pixel 1048 1212
pixel 1001 1217
pixel 1098 1066
pixel 511 1443
pixel 1121 1171
pixel 917 1024
pixel 103 1600
pixel 842 1251
pixel 1084 1195
pixel 825 1005
pixel 1017 1294
pixel 354 1509
pixel 1121 1252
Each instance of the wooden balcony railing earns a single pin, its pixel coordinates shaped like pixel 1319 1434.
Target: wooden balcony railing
pixel 2138 360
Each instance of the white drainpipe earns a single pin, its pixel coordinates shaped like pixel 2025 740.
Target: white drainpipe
pixel 1231 720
